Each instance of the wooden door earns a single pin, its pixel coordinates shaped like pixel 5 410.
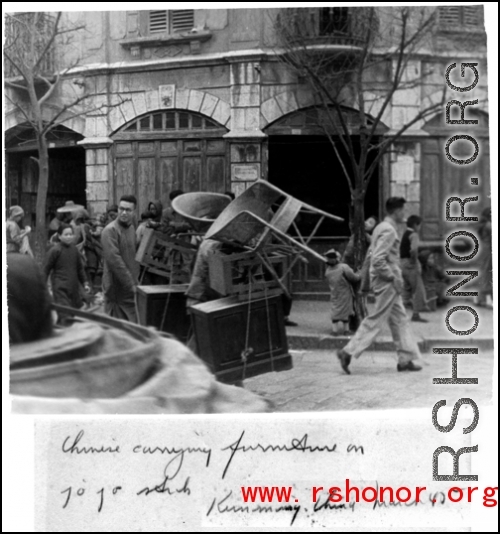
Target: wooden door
pixel 441 179
pixel 150 170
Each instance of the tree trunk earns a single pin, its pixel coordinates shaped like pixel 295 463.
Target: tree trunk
pixel 41 200
pixel 358 230
pixel 357 225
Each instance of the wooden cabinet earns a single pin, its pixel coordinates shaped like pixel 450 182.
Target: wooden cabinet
pixel 238 339
pixel 164 307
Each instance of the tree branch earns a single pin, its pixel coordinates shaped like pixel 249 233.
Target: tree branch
pixel 341 164
pixel 14 63
pixel 15 85
pixel 52 87
pixel 382 148
pixel 55 120
pixel 19 108
pixel 49 42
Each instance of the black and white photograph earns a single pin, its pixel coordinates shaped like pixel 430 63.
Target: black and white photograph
pixel 278 218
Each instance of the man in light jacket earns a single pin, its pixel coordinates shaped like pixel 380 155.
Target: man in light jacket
pixel 386 281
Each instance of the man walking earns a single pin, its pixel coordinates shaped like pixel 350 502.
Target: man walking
pixel 121 271
pixel 387 284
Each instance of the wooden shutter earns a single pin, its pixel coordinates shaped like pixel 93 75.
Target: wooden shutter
pixel 468 16
pixel 449 15
pixel 158 21
pixel 472 15
pixel 181 20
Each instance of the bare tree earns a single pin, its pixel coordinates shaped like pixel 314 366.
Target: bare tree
pixel 39 72
pixel 350 57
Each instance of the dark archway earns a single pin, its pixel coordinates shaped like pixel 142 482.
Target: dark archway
pixel 302 162
pixel 67 180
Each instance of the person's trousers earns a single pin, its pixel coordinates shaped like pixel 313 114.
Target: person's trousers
pixel 413 287
pixel 388 309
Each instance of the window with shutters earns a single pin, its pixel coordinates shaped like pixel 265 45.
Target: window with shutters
pixel 172 21
pixel 151 33
pixel 461 17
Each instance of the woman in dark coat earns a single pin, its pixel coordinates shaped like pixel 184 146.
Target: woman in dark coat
pixel 155 207
pixel 65 263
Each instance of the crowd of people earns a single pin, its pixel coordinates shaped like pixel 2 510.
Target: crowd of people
pixel 157 374
pixel 85 256
pixel 396 273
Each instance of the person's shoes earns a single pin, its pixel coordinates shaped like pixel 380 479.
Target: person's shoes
pixel 345 360
pixel 417 319
pixel 290 323
pixel 410 366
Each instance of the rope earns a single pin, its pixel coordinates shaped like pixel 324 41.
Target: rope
pixel 136 306
pixel 170 258
pixel 269 329
pixel 247 351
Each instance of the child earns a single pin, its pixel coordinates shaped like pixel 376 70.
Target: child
pixel 67 268
pixel 434 280
pixel 340 278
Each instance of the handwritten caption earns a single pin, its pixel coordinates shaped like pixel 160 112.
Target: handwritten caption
pixel 182 474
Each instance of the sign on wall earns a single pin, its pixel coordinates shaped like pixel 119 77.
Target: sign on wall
pixel 403 169
pixel 167 96
pixel 248 172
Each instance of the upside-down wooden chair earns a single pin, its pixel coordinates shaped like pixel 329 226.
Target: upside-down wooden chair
pixel 250 222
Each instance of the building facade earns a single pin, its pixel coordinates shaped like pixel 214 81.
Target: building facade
pixel 199 100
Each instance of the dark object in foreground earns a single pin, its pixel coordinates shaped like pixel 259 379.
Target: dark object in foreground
pixel 240 339
pixel 28 300
pixel 105 365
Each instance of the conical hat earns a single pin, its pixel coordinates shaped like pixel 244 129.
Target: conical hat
pixel 69 206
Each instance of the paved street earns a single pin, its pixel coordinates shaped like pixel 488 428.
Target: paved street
pixel 317 383
pixel 313 318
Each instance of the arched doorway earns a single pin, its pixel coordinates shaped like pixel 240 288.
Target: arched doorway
pixel 66 170
pixel 166 150
pixel 303 162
